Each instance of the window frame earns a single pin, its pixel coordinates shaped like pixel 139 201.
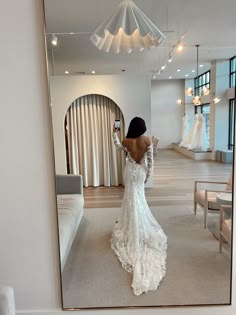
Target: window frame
pixel 197 86
pixel 232 71
pixel 231 124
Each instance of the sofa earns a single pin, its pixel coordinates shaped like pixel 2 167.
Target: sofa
pixel 7 300
pixel 70 206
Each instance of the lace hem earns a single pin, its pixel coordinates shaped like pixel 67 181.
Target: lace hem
pixel 148 271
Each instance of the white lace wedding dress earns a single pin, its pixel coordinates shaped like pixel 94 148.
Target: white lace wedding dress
pixel 137 239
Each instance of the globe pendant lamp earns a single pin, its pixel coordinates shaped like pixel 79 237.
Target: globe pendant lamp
pixel 127 30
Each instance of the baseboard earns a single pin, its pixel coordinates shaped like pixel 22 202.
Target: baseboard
pixel 193 310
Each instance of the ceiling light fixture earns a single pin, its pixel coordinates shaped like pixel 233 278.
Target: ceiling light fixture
pixel 189 91
pixel 204 91
pixel 197 98
pixel 216 100
pixel 180 47
pixel 126 30
pixel 180 102
pixel 54 40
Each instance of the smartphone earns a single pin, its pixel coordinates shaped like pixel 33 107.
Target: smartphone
pixel 117 124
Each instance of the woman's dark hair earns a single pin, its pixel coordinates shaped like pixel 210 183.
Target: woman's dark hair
pixel 137 127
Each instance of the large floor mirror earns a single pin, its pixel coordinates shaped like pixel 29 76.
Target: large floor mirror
pixel 190 189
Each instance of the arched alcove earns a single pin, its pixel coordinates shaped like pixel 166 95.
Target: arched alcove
pixel 88 127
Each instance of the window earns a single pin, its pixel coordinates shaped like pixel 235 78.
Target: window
pixel 201 81
pixel 231 124
pixel 232 72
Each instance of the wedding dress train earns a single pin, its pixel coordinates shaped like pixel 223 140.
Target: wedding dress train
pixel 137 239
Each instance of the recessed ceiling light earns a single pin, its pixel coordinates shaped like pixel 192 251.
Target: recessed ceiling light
pixel 186 75
pixel 178 70
pixel 201 66
pixel 170 77
pixel 193 71
pixel 66 72
pixel 93 72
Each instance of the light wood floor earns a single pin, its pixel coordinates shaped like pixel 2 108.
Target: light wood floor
pixel 172 182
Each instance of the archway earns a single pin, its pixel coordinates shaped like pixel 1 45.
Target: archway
pixel 88 137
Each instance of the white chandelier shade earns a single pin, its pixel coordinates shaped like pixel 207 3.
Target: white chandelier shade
pixel 127 30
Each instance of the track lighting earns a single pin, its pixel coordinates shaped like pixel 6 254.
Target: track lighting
pixel 179 47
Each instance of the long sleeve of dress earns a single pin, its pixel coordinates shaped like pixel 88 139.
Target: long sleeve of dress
pixel 149 161
pixel 117 143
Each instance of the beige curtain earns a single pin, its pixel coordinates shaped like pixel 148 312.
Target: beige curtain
pixel 91 152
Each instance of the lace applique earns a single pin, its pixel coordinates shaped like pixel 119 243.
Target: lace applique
pixel 117 143
pixel 149 161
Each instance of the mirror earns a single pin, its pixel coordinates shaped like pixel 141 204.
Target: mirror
pixel 90 89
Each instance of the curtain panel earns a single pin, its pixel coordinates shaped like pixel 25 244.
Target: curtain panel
pixel 90 149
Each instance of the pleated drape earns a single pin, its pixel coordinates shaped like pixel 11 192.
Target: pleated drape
pixel 91 152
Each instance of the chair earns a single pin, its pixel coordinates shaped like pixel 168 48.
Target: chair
pixel 155 141
pixel 207 198
pixel 225 224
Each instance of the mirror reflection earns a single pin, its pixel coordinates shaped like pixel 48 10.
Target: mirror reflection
pixel 144 212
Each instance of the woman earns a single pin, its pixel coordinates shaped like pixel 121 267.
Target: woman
pixel 137 238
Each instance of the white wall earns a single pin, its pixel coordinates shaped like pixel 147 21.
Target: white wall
pixel 28 232
pixel 130 93
pixel 28 236
pixel 166 113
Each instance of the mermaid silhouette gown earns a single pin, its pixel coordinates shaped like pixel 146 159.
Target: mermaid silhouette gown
pixel 137 239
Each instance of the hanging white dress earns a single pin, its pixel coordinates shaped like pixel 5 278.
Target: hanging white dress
pixel 188 140
pixel 185 130
pixel 137 239
pixel 199 142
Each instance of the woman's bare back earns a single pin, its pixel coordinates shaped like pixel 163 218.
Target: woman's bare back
pixel 137 147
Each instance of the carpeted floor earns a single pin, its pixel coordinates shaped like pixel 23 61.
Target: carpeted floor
pixel 196 272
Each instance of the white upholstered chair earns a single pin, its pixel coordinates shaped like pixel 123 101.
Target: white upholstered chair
pixel 205 195
pixel 225 225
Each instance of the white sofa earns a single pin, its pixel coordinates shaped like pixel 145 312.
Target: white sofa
pixel 70 205
pixel 7 301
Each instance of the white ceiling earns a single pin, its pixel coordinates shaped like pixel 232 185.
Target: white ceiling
pixel 209 23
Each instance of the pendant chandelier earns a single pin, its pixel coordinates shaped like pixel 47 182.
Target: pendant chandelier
pixel 197 98
pixel 205 90
pixel 127 30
